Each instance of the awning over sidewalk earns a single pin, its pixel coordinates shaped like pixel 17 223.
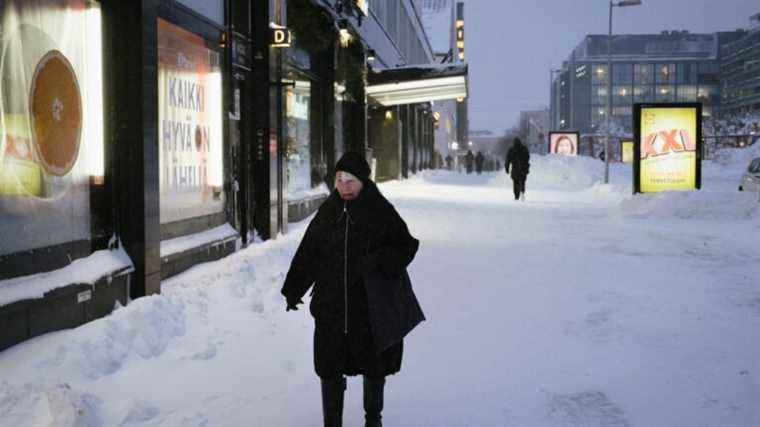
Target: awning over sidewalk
pixel 424 83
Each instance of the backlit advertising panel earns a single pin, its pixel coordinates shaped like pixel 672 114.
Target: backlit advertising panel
pixel 626 151
pixel 190 125
pixel 667 146
pixel 564 143
pixel 51 121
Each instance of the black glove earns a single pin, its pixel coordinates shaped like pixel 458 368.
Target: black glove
pixel 292 304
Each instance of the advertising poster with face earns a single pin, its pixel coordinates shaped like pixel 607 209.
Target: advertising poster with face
pixel 190 125
pixel 626 150
pixel 51 132
pixel 563 143
pixel 667 147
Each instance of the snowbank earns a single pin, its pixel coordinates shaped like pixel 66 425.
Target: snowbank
pixel 85 270
pixel 54 405
pixel 702 205
pixel 553 171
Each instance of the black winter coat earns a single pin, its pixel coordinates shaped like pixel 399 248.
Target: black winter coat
pixel 345 240
pixel 518 159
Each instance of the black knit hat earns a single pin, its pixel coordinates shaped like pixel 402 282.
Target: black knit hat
pixel 355 164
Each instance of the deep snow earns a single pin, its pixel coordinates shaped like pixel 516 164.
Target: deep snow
pixel 584 306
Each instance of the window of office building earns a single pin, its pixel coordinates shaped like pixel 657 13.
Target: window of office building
pixel 643 74
pixel 687 93
pixel 190 125
pixel 644 93
pixel 621 95
pixel 599 74
pixel 623 74
pixel 664 93
pixel 665 74
pixel 51 122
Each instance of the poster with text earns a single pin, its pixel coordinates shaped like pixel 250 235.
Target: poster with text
pixel 626 151
pixel 563 143
pixel 190 125
pixel 51 127
pixel 667 145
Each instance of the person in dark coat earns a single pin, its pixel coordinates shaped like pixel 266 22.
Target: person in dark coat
pixel 468 161
pixel 356 231
pixel 518 160
pixel 449 161
pixel 479 163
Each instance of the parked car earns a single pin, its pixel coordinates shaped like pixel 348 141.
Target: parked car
pixel 751 177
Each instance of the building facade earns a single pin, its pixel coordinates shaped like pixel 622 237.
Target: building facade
pixel 145 137
pixel 740 72
pixel 674 66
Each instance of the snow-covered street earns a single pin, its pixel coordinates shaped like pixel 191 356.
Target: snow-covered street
pixel 583 306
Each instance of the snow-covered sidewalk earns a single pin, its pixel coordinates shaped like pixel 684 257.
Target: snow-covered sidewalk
pixel 582 306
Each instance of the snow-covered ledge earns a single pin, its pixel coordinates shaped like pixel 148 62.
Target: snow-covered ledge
pixel 85 270
pixel 216 236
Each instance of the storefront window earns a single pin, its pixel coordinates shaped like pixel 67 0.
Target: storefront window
pixel 190 125
pixel 298 138
pixel 51 122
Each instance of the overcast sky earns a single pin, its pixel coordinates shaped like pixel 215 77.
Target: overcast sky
pixel 512 44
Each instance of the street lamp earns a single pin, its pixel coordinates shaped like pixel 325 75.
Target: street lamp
pixel 555 117
pixel 623 3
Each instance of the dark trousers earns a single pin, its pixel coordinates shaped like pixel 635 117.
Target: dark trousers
pixel 518 186
pixel 333 391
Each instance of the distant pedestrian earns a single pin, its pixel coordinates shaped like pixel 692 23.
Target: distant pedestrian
pixel 601 155
pixel 355 253
pixel 518 161
pixel 479 163
pixel 469 159
pixel 449 161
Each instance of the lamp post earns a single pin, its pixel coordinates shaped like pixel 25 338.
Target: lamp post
pixel 555 117
pixel 623 3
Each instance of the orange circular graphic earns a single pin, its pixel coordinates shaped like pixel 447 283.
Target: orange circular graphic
pixel 56 113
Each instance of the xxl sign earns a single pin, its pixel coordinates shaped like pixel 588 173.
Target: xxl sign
pixel 667 143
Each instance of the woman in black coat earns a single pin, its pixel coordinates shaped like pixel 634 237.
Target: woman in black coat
pixel 355 232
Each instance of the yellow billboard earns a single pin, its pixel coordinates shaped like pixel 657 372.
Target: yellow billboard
pixel 667 147
pixel 626 151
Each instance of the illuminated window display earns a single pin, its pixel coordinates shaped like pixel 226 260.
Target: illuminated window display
pixel 190 125
pixel 298 138
pixel 51 121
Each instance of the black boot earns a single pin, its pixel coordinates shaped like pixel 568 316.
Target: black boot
pixel 373 401
pixel 333 390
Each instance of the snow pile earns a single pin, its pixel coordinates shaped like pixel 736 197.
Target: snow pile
pixel 742 124
pixel 142 330
pixel 54 405
pixel 557 172
pixel 736 157
pixel 701 205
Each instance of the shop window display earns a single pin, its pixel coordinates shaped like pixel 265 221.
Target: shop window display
pixel 51 122
pixel 298 138
pixel 190 125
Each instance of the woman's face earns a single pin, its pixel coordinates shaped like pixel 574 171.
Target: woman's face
pixel 348 185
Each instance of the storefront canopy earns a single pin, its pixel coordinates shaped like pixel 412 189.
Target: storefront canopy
pixel 424 83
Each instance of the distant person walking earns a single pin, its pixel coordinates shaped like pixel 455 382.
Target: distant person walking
pixel 469 159
pixel 449 161
pixel 479 163
pixel 518 161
